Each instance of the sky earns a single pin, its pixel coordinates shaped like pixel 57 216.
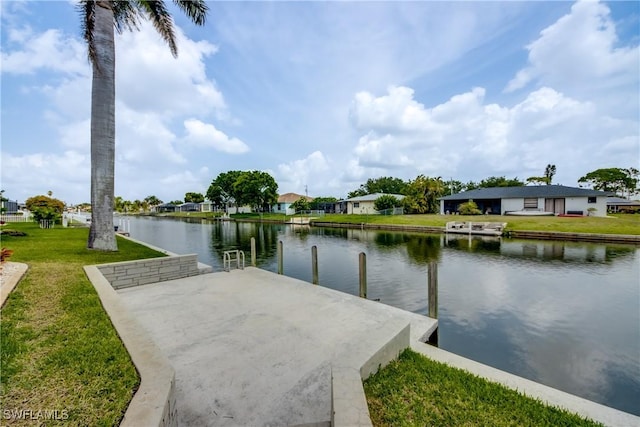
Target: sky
pixel 325 95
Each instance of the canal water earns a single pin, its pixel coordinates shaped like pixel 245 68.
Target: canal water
pixel 560 313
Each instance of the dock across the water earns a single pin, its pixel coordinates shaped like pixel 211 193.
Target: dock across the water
pixel 479 228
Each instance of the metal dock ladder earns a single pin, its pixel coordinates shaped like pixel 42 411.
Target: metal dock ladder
pixel 231 256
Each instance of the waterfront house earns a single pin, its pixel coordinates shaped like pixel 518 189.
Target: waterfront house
pixel 553 199
pixel 285 201
pixel 189 207
pixel 364 205
pixel 163 208
pixel 618 204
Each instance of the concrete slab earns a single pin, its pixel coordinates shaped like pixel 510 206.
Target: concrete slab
pixel 10 274
pixel 253 348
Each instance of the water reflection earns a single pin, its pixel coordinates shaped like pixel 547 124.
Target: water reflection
pixel 564 314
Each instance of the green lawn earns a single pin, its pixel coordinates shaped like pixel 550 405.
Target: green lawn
pixel 59 349
pixel 416 391
pixel 619 224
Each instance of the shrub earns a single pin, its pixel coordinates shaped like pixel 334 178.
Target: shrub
pixel 5 254
pixel 386 201
pixel 301 204
pixel 469 208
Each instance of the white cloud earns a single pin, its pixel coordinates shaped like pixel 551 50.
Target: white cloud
pixel 313 172
pixel 143 138
pixel 149 78
pixel 205 135
pixel 65 174
pixel 580 51
pixel 50 50
pixel 405 138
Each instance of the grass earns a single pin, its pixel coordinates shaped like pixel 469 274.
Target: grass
pixel 619 224
pixel 416 391
pixel 59 348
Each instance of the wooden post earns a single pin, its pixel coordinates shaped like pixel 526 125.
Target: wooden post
pixel 280 269
pixel 314 264
pixel 432 277
pixel 253 251
pixel 363 275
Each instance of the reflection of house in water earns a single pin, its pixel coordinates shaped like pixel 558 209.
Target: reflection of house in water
pixel 563 251
pixel 540 250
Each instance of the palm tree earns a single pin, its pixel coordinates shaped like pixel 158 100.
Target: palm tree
pixel 549 172
pixel 99 19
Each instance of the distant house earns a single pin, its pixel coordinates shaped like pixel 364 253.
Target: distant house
pixel 618 204
pixel 364 204
pixel 285 201
pixel 543 198
pixel 189 207
pixel 9 206
pixel 206 207
pixel 163 208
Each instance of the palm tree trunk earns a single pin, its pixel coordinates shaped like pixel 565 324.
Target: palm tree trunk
pixel 103 130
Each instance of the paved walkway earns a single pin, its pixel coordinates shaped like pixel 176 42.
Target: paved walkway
pixel 251 348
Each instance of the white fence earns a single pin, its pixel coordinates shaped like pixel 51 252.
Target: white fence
pixel 15 218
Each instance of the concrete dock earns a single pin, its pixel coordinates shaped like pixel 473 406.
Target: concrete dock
pixel 251 348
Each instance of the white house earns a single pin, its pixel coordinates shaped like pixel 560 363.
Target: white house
pixel 557 199
pixel 364 205
pixel 286 200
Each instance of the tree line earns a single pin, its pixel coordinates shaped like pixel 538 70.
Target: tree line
pixel 260 190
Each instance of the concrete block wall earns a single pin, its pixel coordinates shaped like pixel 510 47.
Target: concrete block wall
pixel 141 272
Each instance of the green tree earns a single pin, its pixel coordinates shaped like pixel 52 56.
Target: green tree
pixel 118 204
pixel 616 180
pixel 256 189
pixel 301 204
pixel 45 208
pixel 193 198
pixel 537 180
pixel 454 186
pixel 423 193
pixel 385 184
pixel 386 201
pixel 153 200
pixel 221 192
pixel 176 202
pixel 499 181
pixel 549 173
pixel 99 20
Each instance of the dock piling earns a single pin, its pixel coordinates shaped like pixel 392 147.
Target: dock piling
pixel 432 278
pixel 363 275
pixel 314 264
pixel 253 251
pixel 280 263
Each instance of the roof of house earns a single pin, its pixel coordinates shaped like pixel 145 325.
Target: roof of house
pixel 292 197
pixel 620 201
pixel 525 191
pixel 373 197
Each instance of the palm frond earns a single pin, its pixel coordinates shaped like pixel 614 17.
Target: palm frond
pixel 126 16
pixel 160 17
pixel 196 10
pixel 86 9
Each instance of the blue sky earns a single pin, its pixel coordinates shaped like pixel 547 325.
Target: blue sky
pixel 324 95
